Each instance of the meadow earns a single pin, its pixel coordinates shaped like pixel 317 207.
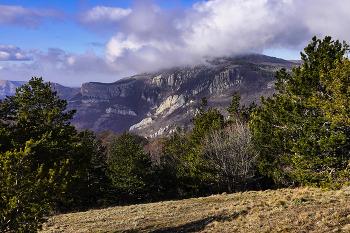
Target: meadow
pixel 302 209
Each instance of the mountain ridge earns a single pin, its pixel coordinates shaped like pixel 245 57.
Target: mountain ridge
pixel 155 104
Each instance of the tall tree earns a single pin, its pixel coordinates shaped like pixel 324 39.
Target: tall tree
pixel 182 158
pixel 36 112
pixel 91 183
pixel 129 168
pixel 37 154
pixel 298 140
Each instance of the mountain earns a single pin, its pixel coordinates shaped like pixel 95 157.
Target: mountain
pixel 9 88
pixel 154 104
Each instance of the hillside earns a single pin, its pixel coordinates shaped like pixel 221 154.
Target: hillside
pixel 155 104
pixel 284 210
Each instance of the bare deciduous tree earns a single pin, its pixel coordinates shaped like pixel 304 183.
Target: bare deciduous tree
pixel 230 151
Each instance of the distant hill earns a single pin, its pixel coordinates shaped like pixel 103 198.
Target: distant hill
pixel 156 103
pixel 9 88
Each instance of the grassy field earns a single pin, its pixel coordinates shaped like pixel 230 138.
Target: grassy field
pixel 283 210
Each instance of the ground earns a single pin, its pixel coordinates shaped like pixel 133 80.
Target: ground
pixel 284 210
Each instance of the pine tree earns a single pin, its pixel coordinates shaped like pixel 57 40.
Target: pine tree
pixel 43 160
pixel 299 142
pixel 129 169
pixel 36 154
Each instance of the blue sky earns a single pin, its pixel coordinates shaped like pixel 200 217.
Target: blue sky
pixel 72 42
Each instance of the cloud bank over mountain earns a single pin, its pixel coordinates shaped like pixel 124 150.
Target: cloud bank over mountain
pixel 146 36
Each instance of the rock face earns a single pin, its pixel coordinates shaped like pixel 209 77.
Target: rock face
pixel 155 104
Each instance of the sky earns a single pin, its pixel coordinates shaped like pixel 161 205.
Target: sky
pixel 72 42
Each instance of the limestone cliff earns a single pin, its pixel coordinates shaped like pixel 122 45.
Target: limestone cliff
pixel 155 104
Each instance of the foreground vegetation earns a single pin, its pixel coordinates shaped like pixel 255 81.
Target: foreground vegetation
pixel 298 137
pixel 284 210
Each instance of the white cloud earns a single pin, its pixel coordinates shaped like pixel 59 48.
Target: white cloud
pixel 118 44
pixel 58 66
pixel 29 17
pixel 4 56
pixel 13 53
pixel 103 14
pixel 151 37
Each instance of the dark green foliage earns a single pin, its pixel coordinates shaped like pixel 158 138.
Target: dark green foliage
pixel 26 193
pixel 37 148
pixel 217 156
pixel 237 112
pixel 130 169
pixel 189 172
pixel 91 182
pixel 297 140
pixel 206 119
pixel 44 163
pixel 36 113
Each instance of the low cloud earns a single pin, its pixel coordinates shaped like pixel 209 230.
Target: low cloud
pixel 28 17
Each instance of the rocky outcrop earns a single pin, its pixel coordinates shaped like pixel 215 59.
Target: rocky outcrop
pixel 9 87
pixel 225 80
pixel 144 122
pixel 167 130
pixel 105 91
pixel 170 105
pixel 120 110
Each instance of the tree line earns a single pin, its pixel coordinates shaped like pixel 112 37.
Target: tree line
pixel 299 136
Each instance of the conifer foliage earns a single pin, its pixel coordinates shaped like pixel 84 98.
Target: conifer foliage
pixel 302 132
pixel 44 162
pixel 129 169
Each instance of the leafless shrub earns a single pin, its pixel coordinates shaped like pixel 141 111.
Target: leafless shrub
pixel 230 151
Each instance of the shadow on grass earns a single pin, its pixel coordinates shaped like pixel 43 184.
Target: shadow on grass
pixel 194 226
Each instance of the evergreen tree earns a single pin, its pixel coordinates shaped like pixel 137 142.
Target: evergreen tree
pixel 91 183
pixel 37 113
pixel 299 142
pixel 187 169
pixel 37 155
pixel 206 119
pixel 237 112
pixel 130 169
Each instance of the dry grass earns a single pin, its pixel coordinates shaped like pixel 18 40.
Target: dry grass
pixel 284 210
